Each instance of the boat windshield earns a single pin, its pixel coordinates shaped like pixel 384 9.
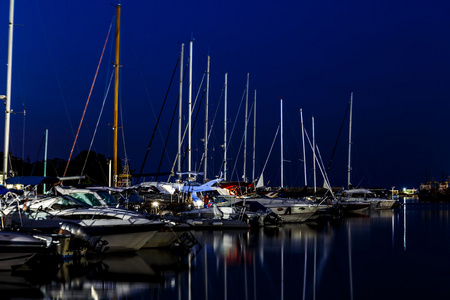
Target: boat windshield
pixel 65 202
pixel 108 198
pixel 87 198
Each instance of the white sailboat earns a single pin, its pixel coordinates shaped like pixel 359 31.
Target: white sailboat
pixel 360 195
pixel 347 204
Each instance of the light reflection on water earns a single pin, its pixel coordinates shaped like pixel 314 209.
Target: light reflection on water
pixel 388 254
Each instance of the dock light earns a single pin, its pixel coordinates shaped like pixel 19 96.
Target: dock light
pixel 155 204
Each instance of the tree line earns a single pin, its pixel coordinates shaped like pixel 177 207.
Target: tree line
pixel 95 167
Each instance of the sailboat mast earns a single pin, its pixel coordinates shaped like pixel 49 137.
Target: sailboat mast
pixel 8 92
pixel 225 129
pixel 349 141
pixel 245 130
pixel 190 106
pixel 281 141
pixel 303 142
pixel 180 108
pixel 205 177
pixel 45 155
pixel 254 137
pixel 116 95
pixel 314 156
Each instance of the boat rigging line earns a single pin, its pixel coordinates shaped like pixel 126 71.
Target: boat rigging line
pixel 168 132
pixel 240 146
pixel 185 130
pixel 337 140
pixel 235 120
pixel 157 121
pixel 87 102
pixel 270 151
pixel 195 121
pixel 98 122
pixel 321 168
pixel 210 129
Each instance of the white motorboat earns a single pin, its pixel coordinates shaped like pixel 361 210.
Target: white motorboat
pixel 365 196
pixel 290 210
pixel 17 248
pixel 92 196
pixel 123 230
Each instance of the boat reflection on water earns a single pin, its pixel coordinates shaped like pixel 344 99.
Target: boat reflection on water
pixel 121 276
pixel 382 254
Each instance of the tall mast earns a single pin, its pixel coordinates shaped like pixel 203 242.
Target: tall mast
pixel 191 44
pixel 116 94
pixel 281 141
pixel 45 155
pixel 245 131
pixel 180 108
pixel 205 177
pixel 314 155
pixel 254 137
pixel 8 92
pixel 303 142
pixel 225 129
pixel 349 142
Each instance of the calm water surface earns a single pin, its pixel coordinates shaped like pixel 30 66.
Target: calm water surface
pixel 394 254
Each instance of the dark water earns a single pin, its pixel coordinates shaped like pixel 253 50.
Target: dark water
pixel 394 254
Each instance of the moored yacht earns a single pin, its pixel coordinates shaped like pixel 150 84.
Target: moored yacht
pixel 365 196
pixel 290 210
pixel 123 230
pixel 17 248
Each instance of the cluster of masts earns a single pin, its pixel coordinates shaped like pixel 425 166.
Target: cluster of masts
pixel 226 174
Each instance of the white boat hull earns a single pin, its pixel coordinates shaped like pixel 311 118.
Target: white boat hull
pixel 294 213
pixel 17 248
pixel 291 210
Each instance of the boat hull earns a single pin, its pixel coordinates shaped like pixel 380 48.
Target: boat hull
pixel 17 248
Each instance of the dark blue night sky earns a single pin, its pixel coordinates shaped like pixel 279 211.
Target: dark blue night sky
pixel 393 55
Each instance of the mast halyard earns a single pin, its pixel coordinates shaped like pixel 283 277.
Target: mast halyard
pixel 116 95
